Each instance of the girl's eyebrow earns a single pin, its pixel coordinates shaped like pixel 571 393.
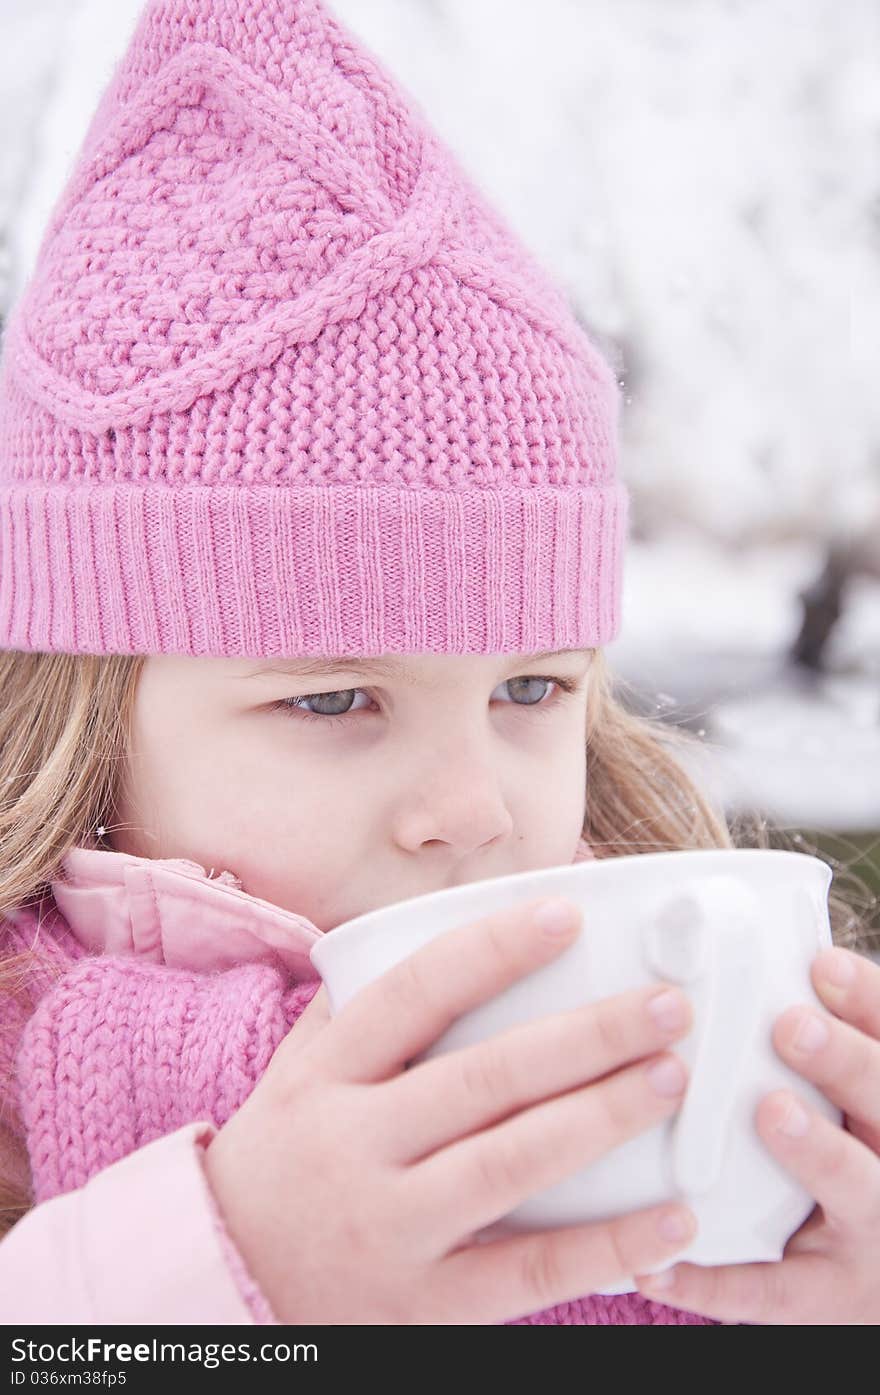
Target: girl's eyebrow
pixel 384 668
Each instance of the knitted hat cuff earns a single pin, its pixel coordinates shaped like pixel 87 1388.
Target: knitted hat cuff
pixel 284 383
pixel 270 572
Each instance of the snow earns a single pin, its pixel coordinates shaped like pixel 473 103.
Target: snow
pixel 704 634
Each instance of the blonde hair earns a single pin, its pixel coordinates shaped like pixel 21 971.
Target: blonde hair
pixel 65 721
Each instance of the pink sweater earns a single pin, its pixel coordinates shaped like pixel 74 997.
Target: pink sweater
pixel 171 990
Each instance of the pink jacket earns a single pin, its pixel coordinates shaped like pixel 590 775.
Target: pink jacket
pixel 104 1251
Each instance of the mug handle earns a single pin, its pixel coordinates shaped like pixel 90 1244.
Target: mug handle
pixel 712 935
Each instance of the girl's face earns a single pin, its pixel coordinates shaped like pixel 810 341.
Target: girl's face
pixel 331 789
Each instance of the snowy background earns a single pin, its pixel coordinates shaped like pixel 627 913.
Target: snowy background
pixel 702 177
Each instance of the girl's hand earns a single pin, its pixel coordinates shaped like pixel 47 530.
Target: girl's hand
pixel 354 1187
pixel 830 1270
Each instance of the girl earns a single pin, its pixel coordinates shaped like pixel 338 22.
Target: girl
pixel 311 536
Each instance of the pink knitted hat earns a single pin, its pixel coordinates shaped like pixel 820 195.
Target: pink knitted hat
pixel 282 382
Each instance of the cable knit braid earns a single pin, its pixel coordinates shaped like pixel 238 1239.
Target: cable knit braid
pixel 122 1052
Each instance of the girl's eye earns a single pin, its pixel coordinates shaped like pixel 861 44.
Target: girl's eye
pixel 338 704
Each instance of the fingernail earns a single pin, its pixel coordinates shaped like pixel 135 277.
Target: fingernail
pixel 667 1077
pixel 555 917
pixel 668 1009
pixel 838 968
pixel 811 1034
pixel 795 1121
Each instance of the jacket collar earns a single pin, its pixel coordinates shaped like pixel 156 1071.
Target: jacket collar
pixel 173 911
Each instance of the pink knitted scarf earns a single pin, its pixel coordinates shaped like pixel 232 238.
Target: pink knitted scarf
pixel 119 1051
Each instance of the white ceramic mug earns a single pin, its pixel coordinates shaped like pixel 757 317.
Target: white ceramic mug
pixel 737 929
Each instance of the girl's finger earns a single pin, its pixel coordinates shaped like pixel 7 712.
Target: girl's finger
pixel 403 1011
pixel 476 1180
pixel 527 1273
pixel 448 1096
pixel 849 984
pixel 836 1169
pixel 841 1060
pixel 784 1292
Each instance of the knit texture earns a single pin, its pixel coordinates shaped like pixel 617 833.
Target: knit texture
pixel 283 382
pixel 118 1052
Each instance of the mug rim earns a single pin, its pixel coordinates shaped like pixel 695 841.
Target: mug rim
pixel 356 923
